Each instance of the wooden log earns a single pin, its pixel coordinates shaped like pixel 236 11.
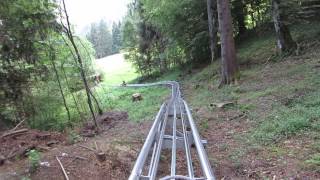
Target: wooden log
pixel 11 133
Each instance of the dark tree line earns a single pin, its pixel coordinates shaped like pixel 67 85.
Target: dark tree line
pixel 104 41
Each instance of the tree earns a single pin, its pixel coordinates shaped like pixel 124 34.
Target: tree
pixel 285 42
pixel 213 27
pixel 116 37
pixel 229 66
pixel 24 25
pixel 101 38
pixel 69 34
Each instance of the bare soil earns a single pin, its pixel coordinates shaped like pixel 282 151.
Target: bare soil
pixel 120 141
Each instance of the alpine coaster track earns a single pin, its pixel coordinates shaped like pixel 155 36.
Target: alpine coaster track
pixel 173 129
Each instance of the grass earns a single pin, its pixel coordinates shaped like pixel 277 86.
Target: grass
pixel 115 69
pixel 299 113
pixel 120 99
pixel 313 163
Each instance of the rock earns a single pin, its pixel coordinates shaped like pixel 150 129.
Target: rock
pixel 45 164
pixel 136 97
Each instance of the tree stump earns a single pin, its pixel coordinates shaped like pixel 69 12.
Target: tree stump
pixel 2 160
pixel 136 97
pixel 101 156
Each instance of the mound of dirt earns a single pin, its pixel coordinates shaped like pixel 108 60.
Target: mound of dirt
pixel 105 121
pixel 17 145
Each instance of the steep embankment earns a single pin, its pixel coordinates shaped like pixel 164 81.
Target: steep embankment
pixel 271 130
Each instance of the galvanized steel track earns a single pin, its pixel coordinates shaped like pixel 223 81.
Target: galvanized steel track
pixel 164 134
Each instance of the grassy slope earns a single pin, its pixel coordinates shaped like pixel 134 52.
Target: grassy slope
pixel 116 70
pixel 277 113
pixel 272 130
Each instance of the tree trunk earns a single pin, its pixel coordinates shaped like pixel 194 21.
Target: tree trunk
pixel 72 95
pixel 229 66
pixel 213 27
pixel 94 98
pixel 79 59
pixel 285 42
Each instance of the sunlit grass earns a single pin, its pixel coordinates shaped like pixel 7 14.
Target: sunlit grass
pixel 120 99
pixel 115 69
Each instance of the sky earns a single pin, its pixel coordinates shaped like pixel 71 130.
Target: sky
pixel 84 12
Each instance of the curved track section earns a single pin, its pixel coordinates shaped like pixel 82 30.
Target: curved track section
pixel 173 129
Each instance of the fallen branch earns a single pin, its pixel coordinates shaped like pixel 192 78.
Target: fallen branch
pixel 14 132
pixel 62 168
pixel 96 145
pixel 238 116
pixel 76 157
pixel 88 148
pixel 17 125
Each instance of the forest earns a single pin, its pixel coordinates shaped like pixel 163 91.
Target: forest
pixel 249 69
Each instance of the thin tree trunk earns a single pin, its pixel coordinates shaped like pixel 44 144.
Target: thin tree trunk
pixel 79 59
pixel 74 99
pixel 91 93
pixel 285 42
pixel 229 68
pixel 213 28
pixel 52 59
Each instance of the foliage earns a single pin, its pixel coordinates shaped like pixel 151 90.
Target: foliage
pixel 73 137
pixel 105 42
pixel 34 159
pixel 101 38
pixel 169 34
pixel 116 37
pixel 30 38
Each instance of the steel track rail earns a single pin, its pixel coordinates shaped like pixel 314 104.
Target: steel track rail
pixel 172 114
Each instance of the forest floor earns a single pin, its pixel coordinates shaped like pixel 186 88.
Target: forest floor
pixel 120 141
pixel 271 131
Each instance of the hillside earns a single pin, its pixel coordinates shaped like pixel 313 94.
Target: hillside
pixel 269 131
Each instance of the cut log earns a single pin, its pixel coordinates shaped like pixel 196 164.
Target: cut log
pixel 11 133
pixel 222 104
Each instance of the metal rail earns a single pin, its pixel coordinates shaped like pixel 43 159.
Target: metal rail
pixel 164 134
